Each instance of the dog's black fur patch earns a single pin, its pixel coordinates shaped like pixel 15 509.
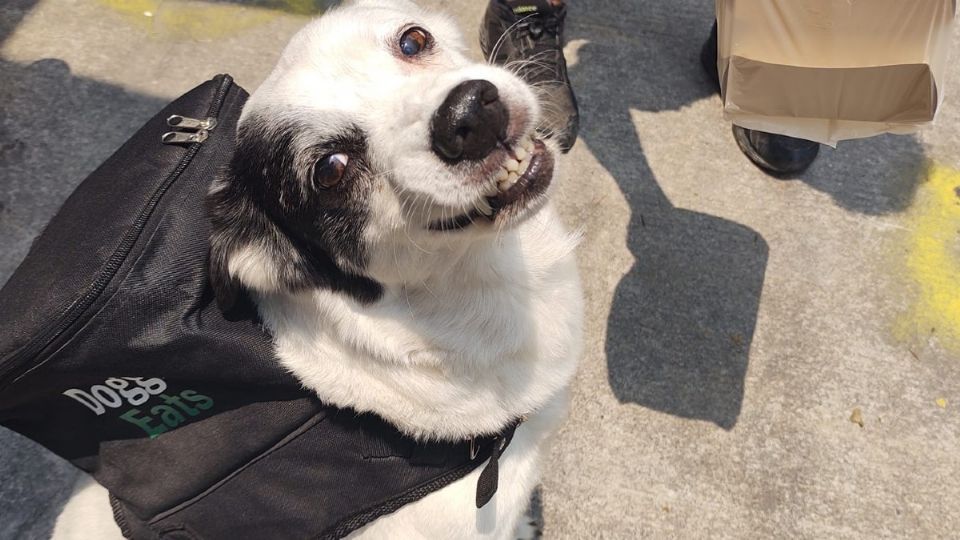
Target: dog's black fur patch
pixel 266 199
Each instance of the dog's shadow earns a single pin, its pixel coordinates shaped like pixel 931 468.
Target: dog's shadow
pixel 682 319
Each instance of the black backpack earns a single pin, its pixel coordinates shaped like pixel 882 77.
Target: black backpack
pixel 114 355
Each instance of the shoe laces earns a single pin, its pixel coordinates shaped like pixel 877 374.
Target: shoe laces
pixel 540 35
pixel 538 25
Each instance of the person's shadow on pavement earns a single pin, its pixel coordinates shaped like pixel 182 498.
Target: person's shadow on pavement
pixel 682 319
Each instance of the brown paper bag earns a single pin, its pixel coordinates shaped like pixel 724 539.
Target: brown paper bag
pixel 829 70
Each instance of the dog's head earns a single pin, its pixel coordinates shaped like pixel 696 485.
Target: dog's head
pixel 373 145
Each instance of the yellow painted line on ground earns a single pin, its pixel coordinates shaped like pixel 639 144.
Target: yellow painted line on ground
pixel 203 21
pixel 933 260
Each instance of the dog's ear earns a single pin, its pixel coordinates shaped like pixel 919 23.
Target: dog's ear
pixel 248 250
pixel 226 288
pixel 225 240
pixel 230 232
pixel 266 236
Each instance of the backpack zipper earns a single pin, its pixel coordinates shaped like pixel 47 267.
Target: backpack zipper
pixel 194 130
pixel 73 314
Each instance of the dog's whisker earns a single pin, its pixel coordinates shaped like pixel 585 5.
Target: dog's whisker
pixel 407 205
pixel 406 232
pixel 496 47
pixel 539 60
pixel 423 283
pixel 403 289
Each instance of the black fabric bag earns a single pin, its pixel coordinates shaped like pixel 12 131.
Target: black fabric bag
pixel 114 355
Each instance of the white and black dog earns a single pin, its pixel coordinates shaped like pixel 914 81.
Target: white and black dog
pixel 388 208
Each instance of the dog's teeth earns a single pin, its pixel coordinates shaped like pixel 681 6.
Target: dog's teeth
pixel 512 165
pixel 527 144
pixel 502 175
pixel 520 152
pixel 524 166
pixel 510 181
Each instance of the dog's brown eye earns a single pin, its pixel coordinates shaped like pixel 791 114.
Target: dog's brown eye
pixel 414 41
pixel 328 171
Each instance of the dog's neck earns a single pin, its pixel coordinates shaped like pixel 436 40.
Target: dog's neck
pixel 479 338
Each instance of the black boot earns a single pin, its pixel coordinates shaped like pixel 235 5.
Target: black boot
pixel 527 37
pixel 775 154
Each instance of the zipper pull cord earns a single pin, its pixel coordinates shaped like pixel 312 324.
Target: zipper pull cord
pixel 489 477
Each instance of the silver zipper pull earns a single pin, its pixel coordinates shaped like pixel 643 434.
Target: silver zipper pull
pixel 184 137
pixel 185 122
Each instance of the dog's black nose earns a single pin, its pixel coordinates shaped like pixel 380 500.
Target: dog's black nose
pixel 469 122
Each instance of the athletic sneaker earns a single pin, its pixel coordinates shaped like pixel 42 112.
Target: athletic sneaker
pixel 526 36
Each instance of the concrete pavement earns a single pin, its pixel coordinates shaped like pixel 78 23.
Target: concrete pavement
pixel 734 321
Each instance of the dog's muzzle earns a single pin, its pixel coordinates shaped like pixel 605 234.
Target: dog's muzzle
pixel 469 123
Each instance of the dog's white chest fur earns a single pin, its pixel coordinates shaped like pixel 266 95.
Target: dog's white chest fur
pixel 464 353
